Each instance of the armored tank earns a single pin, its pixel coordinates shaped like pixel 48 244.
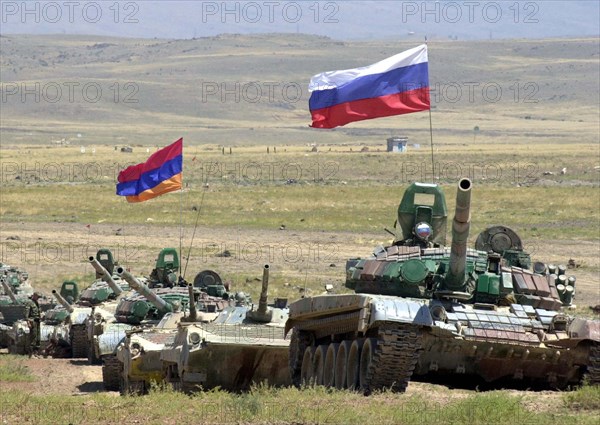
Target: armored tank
pixel 19 333
pixel 140 351
pixel 98 300
pixel 423 308
pixel 105 331
pixel 14 329
pixel 102 317
pixel 245 344
pixel 14 292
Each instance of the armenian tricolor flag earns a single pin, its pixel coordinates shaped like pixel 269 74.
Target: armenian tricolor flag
pixel 160 174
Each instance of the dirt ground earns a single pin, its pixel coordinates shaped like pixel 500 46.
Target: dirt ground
pixel 75 378
pixel 51 252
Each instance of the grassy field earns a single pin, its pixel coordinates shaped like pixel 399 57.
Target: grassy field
pixel 328 191
pixel 424 403
pixel 301 211
pixel 272 406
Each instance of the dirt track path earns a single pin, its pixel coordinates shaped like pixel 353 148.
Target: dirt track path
pixel 48 250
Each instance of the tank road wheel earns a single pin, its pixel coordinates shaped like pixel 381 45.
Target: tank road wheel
pixel 112 370
pixel 592 375
pixel 298 343
pixel 352 367
pixel 366 358
pixel 341 359
pixel 306 371
pixel 79 342
pixel 329 366
pixel 318 363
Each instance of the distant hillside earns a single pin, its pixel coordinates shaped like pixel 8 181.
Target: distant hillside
pixel 343 20
pixel 253 89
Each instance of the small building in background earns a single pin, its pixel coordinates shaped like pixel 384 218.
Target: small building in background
pixel 397 144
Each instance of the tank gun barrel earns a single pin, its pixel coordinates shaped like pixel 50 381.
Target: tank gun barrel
pixel 9 291
pixel 262 314
pixel 105 276
pixel 262 302
pixel 158 302
pixel 64 302
pixel 193 311
pixel 455 277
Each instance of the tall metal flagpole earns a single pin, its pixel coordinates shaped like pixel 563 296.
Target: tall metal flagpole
pixel 430 125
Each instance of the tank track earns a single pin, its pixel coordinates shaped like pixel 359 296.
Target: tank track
pixel 298 343
pixel 79 342
pixel 112 370
pixel 593 371
pixel 395 358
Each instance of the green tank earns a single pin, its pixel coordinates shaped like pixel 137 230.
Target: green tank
pixel 102 318
pixel 96 302
pixel 14 291
pixel 244 345
pixel 423 308
pixel 139 352
pixel 14 329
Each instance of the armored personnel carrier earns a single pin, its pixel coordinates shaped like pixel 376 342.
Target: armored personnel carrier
pixel 140 351
pixel 245 344
pixel 423 308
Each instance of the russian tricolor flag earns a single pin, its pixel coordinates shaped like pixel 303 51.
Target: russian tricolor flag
pixel 396 85
pixel 160 174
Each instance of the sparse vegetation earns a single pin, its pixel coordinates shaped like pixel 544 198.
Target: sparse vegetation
pixel 331 205
pixel 12 369
pixel 585 398
pixel 264 405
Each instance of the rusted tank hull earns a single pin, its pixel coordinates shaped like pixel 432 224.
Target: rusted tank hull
pixel 236 367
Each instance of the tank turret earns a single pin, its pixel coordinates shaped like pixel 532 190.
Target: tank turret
pixel 105 276
pixel 455 277
pixel 9 291
pixel 160 304
pixel 62 301
pixel 262 313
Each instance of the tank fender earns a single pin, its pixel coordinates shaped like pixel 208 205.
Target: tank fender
pixel 109 341
pixel 585 329
pixel 400 310
pixel 80 315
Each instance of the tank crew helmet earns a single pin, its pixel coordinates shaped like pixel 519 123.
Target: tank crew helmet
pixel 240 297
pixel 423 231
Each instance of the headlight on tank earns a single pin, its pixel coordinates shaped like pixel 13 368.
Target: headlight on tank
pixel 135 349
pixel 194 338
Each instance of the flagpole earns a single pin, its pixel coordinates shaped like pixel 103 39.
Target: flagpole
pixel 205 188
pixel 430 128
pixel 181 225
